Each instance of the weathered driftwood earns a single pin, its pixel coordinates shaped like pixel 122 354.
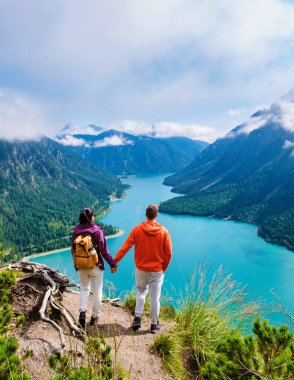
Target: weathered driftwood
pixel 112 301
pixel 45 319
pixel 56 284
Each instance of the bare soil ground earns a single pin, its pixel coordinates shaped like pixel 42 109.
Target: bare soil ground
pixel 129 350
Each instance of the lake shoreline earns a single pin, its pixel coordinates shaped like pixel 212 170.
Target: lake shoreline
pixel 229 244
pixel 26 258
pixel 266 237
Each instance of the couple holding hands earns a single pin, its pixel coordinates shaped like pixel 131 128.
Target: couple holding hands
pixel 153 250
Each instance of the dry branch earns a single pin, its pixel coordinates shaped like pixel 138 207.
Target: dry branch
pixel 56 284
pixel 66 315
pixel 112 301
pixel 45 319
pixel 31 287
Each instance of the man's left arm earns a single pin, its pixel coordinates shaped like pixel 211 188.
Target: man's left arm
pixel 167 251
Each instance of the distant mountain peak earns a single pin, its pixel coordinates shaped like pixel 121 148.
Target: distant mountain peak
pixel 76 129
pixel 289 97
pixel 248 175
pixel 279 113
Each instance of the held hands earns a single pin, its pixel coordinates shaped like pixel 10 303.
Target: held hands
pixel 113 269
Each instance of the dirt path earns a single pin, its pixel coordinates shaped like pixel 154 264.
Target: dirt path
pixel 129 350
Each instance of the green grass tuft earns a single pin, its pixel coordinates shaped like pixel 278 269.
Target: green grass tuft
pixel 213 309
pixel 169 348
pixel 129 303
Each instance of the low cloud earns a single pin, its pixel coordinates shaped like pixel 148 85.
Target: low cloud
pixel 167 129
pixel 289 145
pixel 192 131
pixel 71 141
pixel 253 123
pixel 112 141
pixel 234 112
pixel 135 127
pixel 286 114
pixel 22 117
pixel 280 112
pixel 183 63
pixel 78 129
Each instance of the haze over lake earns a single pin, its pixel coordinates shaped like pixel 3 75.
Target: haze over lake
pixel 234 246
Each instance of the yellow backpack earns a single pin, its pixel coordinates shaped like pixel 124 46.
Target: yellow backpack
pixel 85 255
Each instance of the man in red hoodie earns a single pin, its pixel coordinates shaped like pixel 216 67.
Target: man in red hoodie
pixel 153 250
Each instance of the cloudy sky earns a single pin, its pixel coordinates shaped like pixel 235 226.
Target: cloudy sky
pixel 189 67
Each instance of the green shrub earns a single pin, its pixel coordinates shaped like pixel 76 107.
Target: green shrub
pixel 269 354
pixel 167 312
pixel 7 281
pixel 11 367
pixel 97 366
pixel 164 345
pixel 212 309
pixel 130 303
pixel 53 361
pixel 20 320
pixel 27 354
pixel 167 346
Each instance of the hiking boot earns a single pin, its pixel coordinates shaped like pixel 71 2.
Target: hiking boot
pixel 136 323
pixel 82 319
pixel 154 328
pixel 94 321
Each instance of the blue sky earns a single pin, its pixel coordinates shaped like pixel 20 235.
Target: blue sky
pixel 193 67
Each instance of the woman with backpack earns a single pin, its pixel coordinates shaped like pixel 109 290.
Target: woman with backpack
pixel 89 248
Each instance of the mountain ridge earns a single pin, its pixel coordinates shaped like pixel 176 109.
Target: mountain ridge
pixel 120 153
pixel 43 188
pixel 245 176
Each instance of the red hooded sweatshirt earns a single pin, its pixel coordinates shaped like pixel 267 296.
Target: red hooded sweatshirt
pixel 153 247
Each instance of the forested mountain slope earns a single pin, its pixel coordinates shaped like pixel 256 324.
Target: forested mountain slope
pixel 43 187
pixel 124 153
pixel 248 175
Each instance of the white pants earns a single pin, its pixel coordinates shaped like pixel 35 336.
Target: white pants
pixel 95 278
pixel 153 281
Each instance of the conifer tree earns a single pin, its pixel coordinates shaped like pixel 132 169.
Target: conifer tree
pixel 268 355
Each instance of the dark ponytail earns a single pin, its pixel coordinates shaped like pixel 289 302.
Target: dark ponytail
pixel 86 215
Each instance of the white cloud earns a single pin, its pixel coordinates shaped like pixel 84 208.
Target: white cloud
pixel 286 114
pixel 280 112
pixel 71 141
pixel 77 129
pixel 235 112
pixel 135 127
pixel 113 141
pixel 253 123
pixel 22 117
pixel 192 131
pixel 181 60
pixel 167 129
pixel 288 144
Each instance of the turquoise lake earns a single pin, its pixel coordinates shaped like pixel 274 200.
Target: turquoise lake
pixel 235 246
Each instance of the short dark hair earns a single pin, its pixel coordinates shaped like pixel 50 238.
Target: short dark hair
pixel 86 215
pixel 151 212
